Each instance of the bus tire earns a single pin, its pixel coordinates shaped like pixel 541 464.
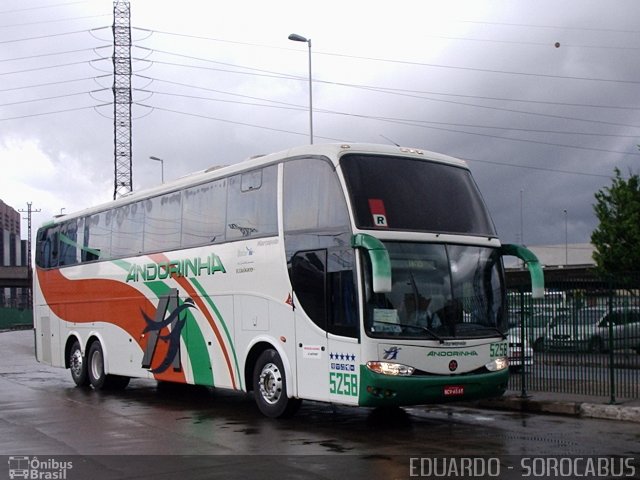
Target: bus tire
pixel 95 366
pixel 270 387
pixel 78 365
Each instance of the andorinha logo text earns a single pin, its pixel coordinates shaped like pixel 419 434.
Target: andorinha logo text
pixel 453 353
pixel 189 267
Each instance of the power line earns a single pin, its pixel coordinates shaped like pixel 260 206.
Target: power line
pixel 35 69
pixel 44 6
pixel 213 90
pixel 236 102
pixel 51 21
pixel 52 98
pixel 487 70
pixel 51 54
pixel 554 27
pixel 531 167
pixel 544 169
pixel 244 124
pixel 536 44
pixel 386 90
pixel 51 35
pixel 211 39
pixel 419 125
pixel 402 121
pixel 283 75
pixel 400 92
pixel 47 84
pixel 266 73
pixel 31 115
pixel 423 64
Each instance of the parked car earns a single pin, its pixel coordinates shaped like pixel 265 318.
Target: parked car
pixel 588 330
pixel 535 325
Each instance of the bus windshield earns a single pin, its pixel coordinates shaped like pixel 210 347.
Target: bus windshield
pixel 398 193
pixel 439 292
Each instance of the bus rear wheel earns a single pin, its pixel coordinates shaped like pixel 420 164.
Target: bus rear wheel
pixel 270 387
pixel 78 365
pixel 95 369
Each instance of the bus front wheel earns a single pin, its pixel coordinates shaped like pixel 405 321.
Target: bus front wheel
pixel 78 365
pixel 95 369
pixel 270 387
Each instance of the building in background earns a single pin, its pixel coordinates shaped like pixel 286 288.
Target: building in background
pixel 13 253
pixel 570 255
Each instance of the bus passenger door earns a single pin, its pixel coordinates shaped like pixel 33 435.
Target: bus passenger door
pixel 308 278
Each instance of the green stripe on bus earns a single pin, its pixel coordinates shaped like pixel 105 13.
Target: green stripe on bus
pixel 196 346
pixel 213 307
pixel 197 351
pixel 198 354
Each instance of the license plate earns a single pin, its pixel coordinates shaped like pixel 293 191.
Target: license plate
pixel 453 390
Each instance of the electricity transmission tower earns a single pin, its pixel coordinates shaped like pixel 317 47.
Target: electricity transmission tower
pixel 122 97
pixel 29 211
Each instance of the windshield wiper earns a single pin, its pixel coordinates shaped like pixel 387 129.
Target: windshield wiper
pixel 420 327
pixel 467 326
pixel 432 333
pixel 496 329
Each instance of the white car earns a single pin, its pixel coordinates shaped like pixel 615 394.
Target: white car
pixel 588 330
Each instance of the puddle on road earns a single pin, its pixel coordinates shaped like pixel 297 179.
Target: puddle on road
pixel 330 445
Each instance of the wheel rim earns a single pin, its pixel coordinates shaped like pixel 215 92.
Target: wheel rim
pixel 96 365
pixel 76 363
pixel 270 383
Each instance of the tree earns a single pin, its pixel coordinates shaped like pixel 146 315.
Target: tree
pixel 617 237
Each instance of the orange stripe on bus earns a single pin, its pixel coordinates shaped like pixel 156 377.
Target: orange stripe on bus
pixel 101 300
pixel 184 283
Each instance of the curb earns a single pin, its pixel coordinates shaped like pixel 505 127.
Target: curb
pixel 569 408
pixel 610 412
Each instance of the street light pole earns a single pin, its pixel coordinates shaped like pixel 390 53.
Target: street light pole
pixel 566 238
pixel 161 166
pixel 299 38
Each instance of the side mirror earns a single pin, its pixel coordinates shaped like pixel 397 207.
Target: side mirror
pixel 533 264
pixel 380 261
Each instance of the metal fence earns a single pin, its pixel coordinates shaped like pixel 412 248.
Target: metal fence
pixel 582 338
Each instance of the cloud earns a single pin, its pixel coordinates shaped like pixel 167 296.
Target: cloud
pixel 216 83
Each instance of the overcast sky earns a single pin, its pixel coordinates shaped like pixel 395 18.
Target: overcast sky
pixel 542 127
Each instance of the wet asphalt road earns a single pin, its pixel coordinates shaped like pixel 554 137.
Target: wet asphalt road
pixel 147 431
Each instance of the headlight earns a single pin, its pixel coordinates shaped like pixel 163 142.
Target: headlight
pixel 499 363
pixel 386 368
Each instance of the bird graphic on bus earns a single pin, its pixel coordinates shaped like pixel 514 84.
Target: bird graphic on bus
pixel 168 303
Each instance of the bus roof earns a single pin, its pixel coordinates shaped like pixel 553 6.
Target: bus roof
pixel 331 150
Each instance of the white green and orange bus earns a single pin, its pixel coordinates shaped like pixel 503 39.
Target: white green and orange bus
pixel 354 274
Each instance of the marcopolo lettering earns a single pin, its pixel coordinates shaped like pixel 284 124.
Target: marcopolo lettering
pixel 190 267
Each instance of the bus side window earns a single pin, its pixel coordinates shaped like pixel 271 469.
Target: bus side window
pixel 162 222
pixel 42 259
pixel 316 219
pixel 342 315
pixel 324 285
pixel 204 211
pixel 68 243
pixel 308 277
pixel 49 249
pixel 97 237
pixel 252 204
